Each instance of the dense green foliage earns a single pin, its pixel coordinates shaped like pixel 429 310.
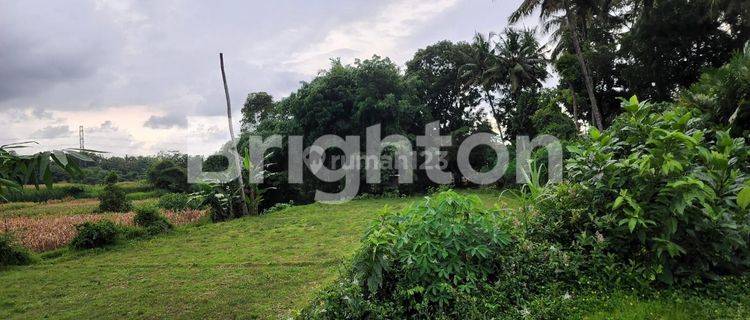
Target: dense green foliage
pixel 664 192
pixel 723 94
pixel 149 218
pixel 112 198
pixel 11 253
pixel 166 174
pixel 95 235
pixel 426 253
pixel 222 200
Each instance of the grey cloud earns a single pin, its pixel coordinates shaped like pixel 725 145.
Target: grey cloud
pixel 91 55
pixel 41 114
pixel 22 115
pixel 106 126
pixel 167 121
pixel 47 43
pixel 52 132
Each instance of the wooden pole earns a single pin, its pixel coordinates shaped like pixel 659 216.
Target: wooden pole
pixel 231 135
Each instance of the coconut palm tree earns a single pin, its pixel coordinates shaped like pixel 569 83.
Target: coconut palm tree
pixel 520 57
pixel 549 8
pixel 481 58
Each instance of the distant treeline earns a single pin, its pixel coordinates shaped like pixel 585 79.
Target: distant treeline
pixel 128 168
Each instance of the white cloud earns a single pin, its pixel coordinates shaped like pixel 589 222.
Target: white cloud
pixel 380 34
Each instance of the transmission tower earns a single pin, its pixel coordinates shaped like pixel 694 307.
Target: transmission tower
pixel 80 137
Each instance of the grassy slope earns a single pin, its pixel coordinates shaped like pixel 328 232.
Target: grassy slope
pixel 253 267
pixel 258 267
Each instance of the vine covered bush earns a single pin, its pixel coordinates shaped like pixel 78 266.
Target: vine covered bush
pixel 660 198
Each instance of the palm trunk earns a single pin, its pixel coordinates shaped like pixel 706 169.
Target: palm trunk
pixel 570 19
pixel 494 113
pixel 231 135
pixel 575 106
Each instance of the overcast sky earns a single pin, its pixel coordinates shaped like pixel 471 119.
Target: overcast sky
pixel 143 76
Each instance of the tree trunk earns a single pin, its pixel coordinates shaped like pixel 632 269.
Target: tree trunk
pixel 575 106
pixel 231 135
pixel 570 20
pixel 494 113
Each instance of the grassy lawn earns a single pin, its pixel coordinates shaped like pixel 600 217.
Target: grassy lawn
pixel 257 267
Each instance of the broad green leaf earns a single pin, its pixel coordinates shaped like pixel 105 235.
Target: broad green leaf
pixel 594 133
pixel 618 202
pixel 632 223
pixel 743 198
pixel 61 157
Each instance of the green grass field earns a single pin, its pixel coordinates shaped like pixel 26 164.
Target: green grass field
pixel 264 267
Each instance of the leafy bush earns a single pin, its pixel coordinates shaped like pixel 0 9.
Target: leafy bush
pixel 176 202
pixel 424 255
pixel 663 187
pixel 95 235
pixel 149 218
pixel 112 198
pixel 11 253
pixel 447 257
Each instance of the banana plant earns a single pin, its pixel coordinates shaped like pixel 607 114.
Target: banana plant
pixel 254 196
pixel 17 170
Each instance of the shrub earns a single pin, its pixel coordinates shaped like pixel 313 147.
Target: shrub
pixel 447 257
pixel 665 188
pixel 112 198
pixel 11 253
pixel 45 194
pixel 149 218
pixel 175 202
pixel 426 253
pixel 95 235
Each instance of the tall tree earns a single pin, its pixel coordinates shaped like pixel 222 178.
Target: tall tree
pixel 480 59
pixel 549 8
pixel 520 56
pixel 257 107
pixel 671 42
